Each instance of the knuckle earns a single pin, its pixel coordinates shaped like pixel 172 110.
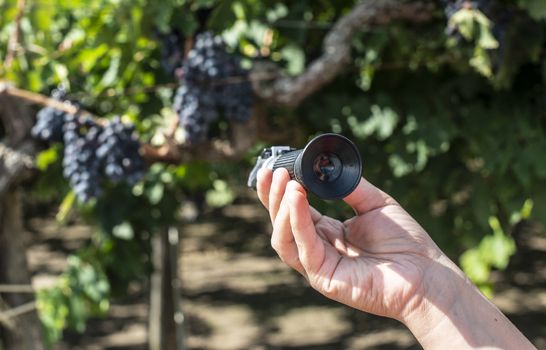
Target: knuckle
pixel 277 176
pixel 275 244
pixel 293 185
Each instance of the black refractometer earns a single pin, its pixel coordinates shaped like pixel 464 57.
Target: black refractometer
pixel 329 166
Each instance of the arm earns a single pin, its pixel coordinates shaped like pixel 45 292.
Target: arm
pixel 466 321
pixel 382 261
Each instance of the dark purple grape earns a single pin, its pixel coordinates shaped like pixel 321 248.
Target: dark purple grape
pixel 172 53
pixel 91 152
pixel 50 121
pixel 213 83
pixel 118 153
pixel 49 125
pixel 80 165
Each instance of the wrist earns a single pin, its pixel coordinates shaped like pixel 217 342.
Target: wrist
pixel 444 288
pixel 439 318
pixel 454 313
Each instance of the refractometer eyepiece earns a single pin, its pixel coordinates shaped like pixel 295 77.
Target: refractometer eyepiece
pixel 329 166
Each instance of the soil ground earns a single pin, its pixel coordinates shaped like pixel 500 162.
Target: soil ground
pixel 236 294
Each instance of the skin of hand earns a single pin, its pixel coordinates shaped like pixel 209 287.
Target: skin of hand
pixel 383 262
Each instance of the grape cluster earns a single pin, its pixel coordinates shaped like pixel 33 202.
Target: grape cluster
pixel 213 83
pixel 235 101
pixel 196 109
pixel 81 166
pixel 50 121
pixel 118 153
pixel 92 152
pixel 49 125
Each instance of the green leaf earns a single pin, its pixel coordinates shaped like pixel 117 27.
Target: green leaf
pixel 45 158
pixel 124 231
pixel 295 57
pixel 527 209
pixel 155 193
pixel 221 195
pixel 382 122
pixel 61 73
pixel 112 73
pixel 66 207
pixel 481 62
pixel 495 225
pixel 89 56
pixel 486 40
pixel 464 21
pixel 474 266
pixel 536 8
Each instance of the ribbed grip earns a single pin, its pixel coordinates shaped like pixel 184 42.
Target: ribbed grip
pixel 287 161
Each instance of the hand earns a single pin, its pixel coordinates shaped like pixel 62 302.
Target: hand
pixel 376 261
pixel 382 261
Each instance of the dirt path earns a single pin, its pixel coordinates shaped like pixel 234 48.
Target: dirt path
pixel 238 295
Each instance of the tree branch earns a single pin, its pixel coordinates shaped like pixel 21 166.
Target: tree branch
pixel 270 85
pixel 13 162
pixel 244 135
pixel 336 51
pixel 44 100
pixel 16 150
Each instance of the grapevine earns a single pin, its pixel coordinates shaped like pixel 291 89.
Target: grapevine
pixel 213 83
pixel 92 152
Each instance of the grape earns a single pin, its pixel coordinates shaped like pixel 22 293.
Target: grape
pixel 236 102
pixel 49 125
pixel 92 152
pixel 196 110
pixel 205 62
pixel 118 153
pixel 212 83
pixel 80 165
pixel 50 121
pixel 171 50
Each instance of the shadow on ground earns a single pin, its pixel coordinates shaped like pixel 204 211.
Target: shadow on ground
pixel 236 294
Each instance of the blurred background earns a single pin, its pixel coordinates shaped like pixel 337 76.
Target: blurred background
pixel 128 130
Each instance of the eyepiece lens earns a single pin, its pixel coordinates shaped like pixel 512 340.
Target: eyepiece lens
pixel 327 167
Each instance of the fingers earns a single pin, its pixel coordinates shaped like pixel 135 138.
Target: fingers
pixel 311 249
pixel 271 187
pixel 282 239
pixel 367 197
pixel 278 188
pixel 264 185
pixel 286 199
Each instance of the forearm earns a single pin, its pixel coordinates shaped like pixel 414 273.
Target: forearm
pixel 464 319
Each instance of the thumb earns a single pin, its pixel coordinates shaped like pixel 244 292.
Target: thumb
pixel 367 197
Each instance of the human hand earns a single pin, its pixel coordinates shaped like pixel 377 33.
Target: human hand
pixel 382 261
pixel 375 261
